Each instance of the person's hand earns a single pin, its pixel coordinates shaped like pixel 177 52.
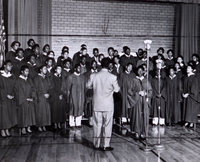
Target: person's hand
pixel 185 95
pixel 142 93
pixel 60 97
pixel 10 97
pixel 46 95
pixel 30 99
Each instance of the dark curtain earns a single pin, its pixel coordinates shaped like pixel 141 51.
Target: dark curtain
pixel 186 36
pixel 29 19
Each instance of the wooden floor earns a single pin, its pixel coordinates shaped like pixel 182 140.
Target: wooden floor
pixel 180 144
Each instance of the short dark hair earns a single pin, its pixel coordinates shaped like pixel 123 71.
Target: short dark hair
pixel 19 49
pixel 196 55
pixel 50 52
pixel 171 67
pixel 83 45
pixel 67 60
pixel 93 62
pixel 161 48
pixel 95 49
pixel 83 48
pixel 105 63
pixel 28 42
pixel 191 64
pixel 23 67
pixel 129 63
pixel 117 56
pixel 32 55
pixel 46 45
pixel 35 46
pixel 6 62
pixel 110 48
pixel 41 67
pixel 65 49
pixel 76 66
pixel 125 48
pixel 15 42
pixel 170 50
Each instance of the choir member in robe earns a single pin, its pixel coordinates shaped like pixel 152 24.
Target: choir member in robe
pixel 36 52
pixel 58 113
pixel 50 69
pixel 158 99
pixel 95 55
pixel 51 55
pixel 25 95
pixel 82 52
pixel 143 60
pixel 182 64
pixel 170 61
pixel 18 61
pixel 173 98
pixel 43 55
pixel 189 93
pixel 117 69
pixel 159 55
pixel 76 97
pixel 126 58
pixel 116 53
pixel 139 92
pixel 125 80
pixel 178 70
pixel 195 58
pixel 28 51
pixel 88 110
pixel 43 87
pixel 10 55
pixel 67 68
pixel 111 53
pixel 146 71
pixel 61 59
pixel 84 67
pixel 8 114
pixel 101 56
pixel 33 69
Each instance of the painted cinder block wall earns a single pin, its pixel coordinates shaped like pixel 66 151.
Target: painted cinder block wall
pixel 128 23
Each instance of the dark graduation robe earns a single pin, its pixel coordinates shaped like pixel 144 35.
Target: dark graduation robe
pixel 25 89
pixel 125 80
pixel 61 59
pixel 83 69
pixel 58 113
pixel 43 59
pixel 156 101
pixel 76 94
pixel 88 109
pixel 124 60
pixel 33 70
pixel 10 55
pixel 8 113
pixel 179 74
pixel 17 64
pixel 27 53
pixel 173 100
pixel 77 58
pixel 189 111
pixel 169 62
pixel 43 112
pixel 66 73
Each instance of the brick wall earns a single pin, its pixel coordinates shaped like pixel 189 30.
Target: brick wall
pixel 77 22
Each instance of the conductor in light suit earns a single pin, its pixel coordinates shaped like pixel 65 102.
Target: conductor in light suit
pixel 104 84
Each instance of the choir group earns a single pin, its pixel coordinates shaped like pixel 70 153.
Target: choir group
pixel 36 90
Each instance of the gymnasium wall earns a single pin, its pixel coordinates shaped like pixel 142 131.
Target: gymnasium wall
pixel 103 24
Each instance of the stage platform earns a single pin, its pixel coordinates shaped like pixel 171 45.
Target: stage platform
pixel 180 145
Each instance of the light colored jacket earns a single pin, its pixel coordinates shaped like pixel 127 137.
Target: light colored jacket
pixel 104 84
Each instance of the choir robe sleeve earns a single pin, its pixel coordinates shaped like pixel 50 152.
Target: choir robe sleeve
pixel 195 91
pixel 3 93
pixel 19 95
pixel 69 83
pixel 133 93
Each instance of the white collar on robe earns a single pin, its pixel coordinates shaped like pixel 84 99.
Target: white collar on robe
pixel 77 74
pixel 13 50
pixel 158 76
pixel 144 59
pixel 94 71
pixel 178 70
pixel 117 65
pixel 127 55
pixel 44 53
pixel 7 75
pixel 30 47
pixel 23 77
pixel 57 75
pixel 31 64
pixel 66 69
pixel 197 62
pixel 172 77
pixel 82 65
pixel 127 72
pixel 140 78
pixel 19 59
pixel 190 74
pixel 41 75
pixel 49 69
pixel 170 58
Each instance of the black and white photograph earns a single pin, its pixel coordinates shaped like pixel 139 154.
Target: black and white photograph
pixel 99 80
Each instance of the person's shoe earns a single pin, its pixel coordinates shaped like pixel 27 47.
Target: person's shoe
pixel 59 126
pixel 191 125
pixel 40 129
pixel 55 126
pixel 3 134
pixel 107 148
pixel 142 137
pixel 29 130
pixel 23 131
pixel 186 124
pixel 7 133
pixel 136 136
pixel 44 129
